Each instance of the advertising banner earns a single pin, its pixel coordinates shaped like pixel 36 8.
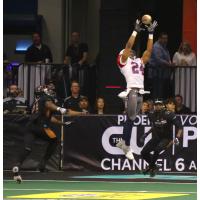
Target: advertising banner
pixel 89 143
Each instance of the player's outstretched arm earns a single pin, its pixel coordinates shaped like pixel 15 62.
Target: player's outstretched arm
pixel 147 54
pixel 52 107
pixel 131 41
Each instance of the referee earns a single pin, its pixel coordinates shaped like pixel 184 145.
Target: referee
pixel 162 122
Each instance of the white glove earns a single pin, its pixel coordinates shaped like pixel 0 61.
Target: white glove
pixel 176 141
pixel 61 110
pixel 137 27
pixel 68 123
pixel 152 27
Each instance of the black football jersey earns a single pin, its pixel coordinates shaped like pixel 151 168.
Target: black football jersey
pixel 162 123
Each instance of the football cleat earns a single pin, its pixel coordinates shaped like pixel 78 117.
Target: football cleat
pixel 18 179
pixel 126 149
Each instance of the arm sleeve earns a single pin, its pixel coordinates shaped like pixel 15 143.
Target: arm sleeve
pixel 119 62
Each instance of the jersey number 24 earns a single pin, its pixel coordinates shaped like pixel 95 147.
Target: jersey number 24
pixel 136 69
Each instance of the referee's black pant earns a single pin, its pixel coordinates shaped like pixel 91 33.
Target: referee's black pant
pixel 156 145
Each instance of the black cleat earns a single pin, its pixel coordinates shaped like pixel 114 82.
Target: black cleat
pixel 146 171
pixel 153 170
pixel 18 179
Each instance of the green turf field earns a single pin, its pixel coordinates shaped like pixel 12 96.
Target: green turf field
pixel 49 189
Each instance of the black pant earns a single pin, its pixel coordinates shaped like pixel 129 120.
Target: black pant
pixel 156 144
pixel 37 130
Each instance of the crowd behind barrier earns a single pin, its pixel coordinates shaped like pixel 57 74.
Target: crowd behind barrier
pixel 30 75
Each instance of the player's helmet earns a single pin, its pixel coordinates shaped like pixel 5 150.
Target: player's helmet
pixel 133 53
pixel 39 91
pixel 50 90
pixel 158 105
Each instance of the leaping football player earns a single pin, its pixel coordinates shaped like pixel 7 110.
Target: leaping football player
pixel 133 70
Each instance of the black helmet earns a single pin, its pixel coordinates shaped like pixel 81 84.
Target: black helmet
pixel 39 91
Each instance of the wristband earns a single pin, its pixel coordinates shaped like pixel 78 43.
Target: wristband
pixel 134 33
pixel 58 108
pixel 151 36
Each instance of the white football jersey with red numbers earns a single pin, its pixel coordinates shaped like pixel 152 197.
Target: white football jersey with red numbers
pixel 133 71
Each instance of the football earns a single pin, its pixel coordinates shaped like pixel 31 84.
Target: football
pixel 146 19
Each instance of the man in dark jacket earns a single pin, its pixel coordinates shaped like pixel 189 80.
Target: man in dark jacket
pixel 38 52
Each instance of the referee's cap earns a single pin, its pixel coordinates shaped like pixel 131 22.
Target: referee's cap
pixel 158 101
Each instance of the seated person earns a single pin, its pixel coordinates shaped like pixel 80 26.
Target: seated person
pixel 144 108
pixel 99 106
pixel 72 102
pixel 170 105
pixel 180 107
pixel 84 105
pixel 14 103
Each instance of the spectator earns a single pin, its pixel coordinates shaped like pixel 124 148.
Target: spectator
pixel 99 106
pixel 38 52
pixel 84 105
pixel 184 56
pixel 76 54
pixel 144 108
pixel 180 107
pixel 151 104
pixel 170 105
pixel 38 92
pixel 14 103
pixel 72 102
pixel 159 72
